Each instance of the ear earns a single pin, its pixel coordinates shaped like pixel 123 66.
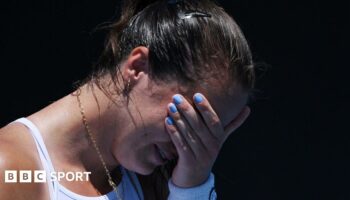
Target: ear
pixel 136 66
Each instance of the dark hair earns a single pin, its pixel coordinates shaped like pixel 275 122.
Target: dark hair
pixel 188 41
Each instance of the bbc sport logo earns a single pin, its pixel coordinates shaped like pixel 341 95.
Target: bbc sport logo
pixel 40 176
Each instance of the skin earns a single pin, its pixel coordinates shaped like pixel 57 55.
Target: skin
pixel 128 134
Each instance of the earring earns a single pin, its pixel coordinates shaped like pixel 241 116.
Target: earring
pixel 127 88
pixel 128 84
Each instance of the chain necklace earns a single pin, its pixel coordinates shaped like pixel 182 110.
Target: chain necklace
pixel 94 143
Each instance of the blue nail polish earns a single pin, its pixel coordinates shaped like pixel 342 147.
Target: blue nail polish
pixel 169 121
pixel 173 108
pixel 198 98
pixel 177 99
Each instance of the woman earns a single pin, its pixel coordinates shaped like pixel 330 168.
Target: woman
pixel 169 88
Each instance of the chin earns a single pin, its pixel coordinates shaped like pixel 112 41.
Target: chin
pixel 140 168
pixel 146 170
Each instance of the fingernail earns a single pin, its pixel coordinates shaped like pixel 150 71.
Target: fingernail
pixel 173 108
pixel 169 121
pixel 198 98
pixel 177 99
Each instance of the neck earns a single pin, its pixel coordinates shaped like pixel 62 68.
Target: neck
pixel 65 135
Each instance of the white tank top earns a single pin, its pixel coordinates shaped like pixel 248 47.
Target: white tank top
pixel 128 189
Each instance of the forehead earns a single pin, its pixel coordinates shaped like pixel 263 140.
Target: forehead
pixel 227 107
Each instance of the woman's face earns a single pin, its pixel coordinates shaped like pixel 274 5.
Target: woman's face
pixel 146 143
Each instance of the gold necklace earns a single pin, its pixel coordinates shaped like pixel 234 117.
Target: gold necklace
pixel 88 130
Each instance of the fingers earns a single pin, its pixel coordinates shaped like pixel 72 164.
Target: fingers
pixel 186 110
pixel 192 127
pixel 190 115
pixel 189 129
pixel 181 123
pixel 210 117
pixel 178 140
pixel 199 131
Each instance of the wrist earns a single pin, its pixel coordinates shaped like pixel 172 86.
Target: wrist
pixel 190 181
pixel 206 190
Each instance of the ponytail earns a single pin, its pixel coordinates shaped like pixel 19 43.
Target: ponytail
pixel 129 9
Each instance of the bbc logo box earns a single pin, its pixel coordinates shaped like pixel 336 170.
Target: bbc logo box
pixel 25 176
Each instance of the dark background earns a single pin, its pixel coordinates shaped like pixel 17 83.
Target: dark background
pixel 295 144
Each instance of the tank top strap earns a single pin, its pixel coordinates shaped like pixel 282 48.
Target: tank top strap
pixel 43 154
pixel 130 185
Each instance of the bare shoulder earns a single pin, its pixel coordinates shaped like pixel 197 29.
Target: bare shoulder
pixel 16 146
pixel 18 152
